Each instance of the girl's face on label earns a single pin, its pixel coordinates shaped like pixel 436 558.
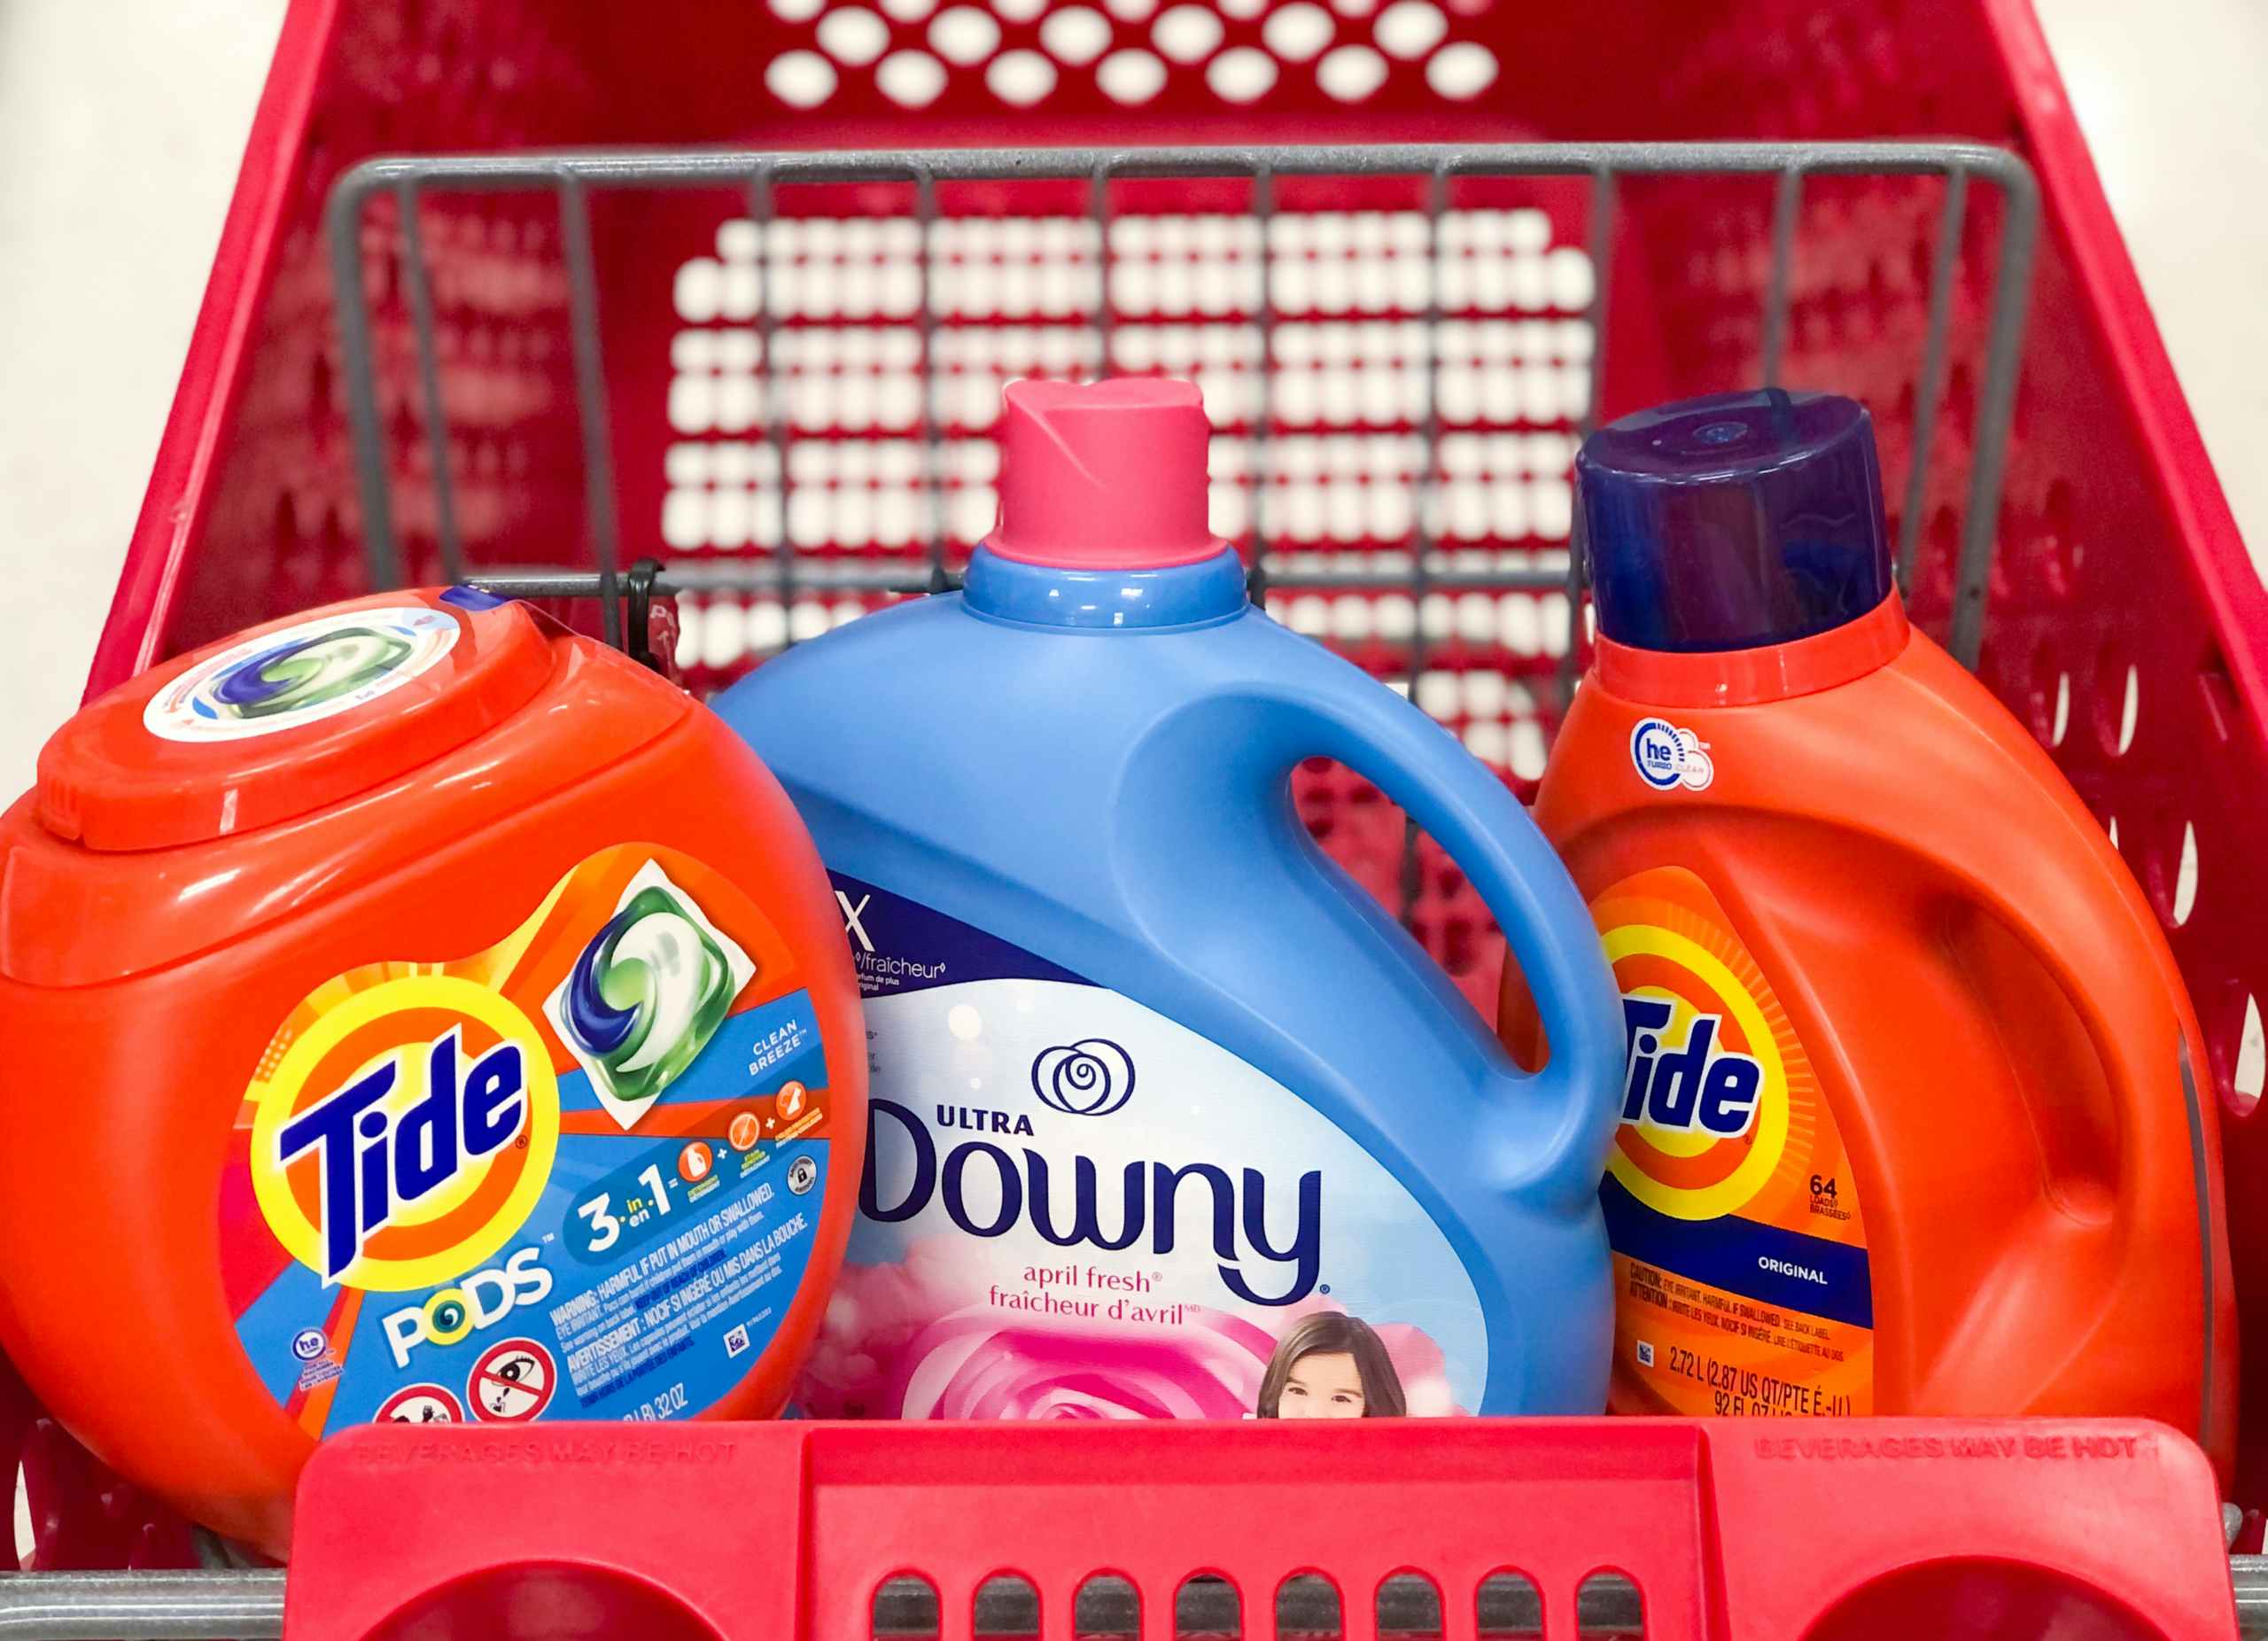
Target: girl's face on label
pixel 1326 1385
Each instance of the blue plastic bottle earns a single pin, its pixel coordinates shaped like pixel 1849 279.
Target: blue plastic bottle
pixel 1169 1118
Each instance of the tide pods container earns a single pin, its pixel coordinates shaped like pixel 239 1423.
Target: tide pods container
pixel 415 1012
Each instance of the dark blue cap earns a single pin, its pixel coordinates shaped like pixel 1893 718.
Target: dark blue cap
pixel 1733 521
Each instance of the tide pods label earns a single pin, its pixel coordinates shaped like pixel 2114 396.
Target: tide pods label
pixel 576 1174
pixel 1740 1254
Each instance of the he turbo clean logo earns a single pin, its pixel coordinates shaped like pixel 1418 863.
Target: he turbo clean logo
pixel 405 1135
pixel 1705 1105
pixel 1667 756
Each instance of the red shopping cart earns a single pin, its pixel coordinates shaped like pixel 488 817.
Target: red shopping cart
pixel 773 374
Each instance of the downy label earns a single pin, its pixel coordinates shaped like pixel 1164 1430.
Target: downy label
pixel 1740 1257
pixel 576 1174
pixel 1076 1208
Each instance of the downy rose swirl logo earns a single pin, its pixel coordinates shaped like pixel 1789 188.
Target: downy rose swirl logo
pixel 1091 1077
pixel 302 674
pixel 646 994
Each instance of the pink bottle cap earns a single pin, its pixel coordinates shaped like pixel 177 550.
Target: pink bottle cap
pixel 1104 476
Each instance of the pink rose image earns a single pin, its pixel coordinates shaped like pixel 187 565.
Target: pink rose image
pixel 872 1318
pixel 1424 1371
pixel 920 1340
pixel 986 1363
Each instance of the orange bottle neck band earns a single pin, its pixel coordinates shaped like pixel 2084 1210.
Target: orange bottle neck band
pixel 1768 673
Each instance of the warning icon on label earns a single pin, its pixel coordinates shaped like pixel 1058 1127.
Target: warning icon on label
pixel 512 1382
pixel 420 1405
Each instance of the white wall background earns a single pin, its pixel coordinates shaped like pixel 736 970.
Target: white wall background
pixel 121 123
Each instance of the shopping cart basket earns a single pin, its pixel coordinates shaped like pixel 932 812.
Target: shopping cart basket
pixel 778 382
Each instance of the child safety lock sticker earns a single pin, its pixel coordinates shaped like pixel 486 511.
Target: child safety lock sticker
pixel 1740 1257
pixel 576 1174
pixel 301 675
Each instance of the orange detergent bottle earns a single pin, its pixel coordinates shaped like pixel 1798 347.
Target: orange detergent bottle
pixel 415 1012
pixel 1912 1121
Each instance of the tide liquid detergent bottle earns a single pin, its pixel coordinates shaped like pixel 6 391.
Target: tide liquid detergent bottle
pixel 415 1012
pixel 1169 1119
pixel 1914 1119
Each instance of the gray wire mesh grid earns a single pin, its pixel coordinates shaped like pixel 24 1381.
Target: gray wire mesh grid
pixel 1417 563
pixel 761 177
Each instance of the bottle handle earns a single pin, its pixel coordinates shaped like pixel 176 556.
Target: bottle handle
pixel 2120 983
pixel 2058 894
pixel 1556 1122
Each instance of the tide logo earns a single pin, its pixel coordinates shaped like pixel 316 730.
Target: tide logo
pixel 405 1133
pixel 1705 1096
pixel 1684 1086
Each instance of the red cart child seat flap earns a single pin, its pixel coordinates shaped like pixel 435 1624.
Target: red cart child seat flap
pixel 1834 1531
